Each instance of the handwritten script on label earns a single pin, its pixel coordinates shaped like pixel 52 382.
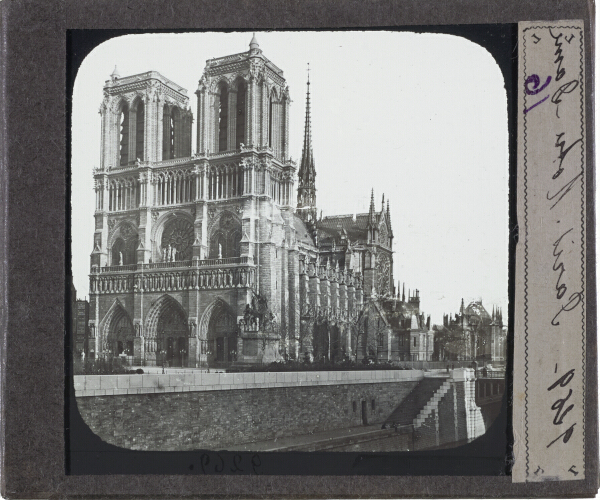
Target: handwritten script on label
pixel 550 261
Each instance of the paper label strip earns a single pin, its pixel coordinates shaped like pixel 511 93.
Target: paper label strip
pixel 550 312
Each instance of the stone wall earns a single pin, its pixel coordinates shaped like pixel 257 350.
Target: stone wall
pixel 214 419
pixel 107 385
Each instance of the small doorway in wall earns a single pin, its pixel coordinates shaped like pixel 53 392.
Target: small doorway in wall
pixel 364 413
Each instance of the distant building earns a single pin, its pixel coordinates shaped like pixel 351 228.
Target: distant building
pixel 410 338
pixel 82 317
pixel 73 315
pixel 473 334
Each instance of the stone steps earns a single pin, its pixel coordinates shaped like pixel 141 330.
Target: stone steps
pixel 432 404
pixel 408 410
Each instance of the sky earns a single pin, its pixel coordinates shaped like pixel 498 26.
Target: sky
pixel 421 118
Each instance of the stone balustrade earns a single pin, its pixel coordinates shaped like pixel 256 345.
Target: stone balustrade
pixel 209 278
pixel 175 264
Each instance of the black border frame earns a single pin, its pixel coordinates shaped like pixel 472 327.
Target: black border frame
pixel 32 117
pixel 489 455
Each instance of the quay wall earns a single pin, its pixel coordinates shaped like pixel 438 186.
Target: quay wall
pixel 214 410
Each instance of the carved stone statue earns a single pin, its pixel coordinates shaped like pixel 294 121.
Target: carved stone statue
pixel 220 251
pixel 120 258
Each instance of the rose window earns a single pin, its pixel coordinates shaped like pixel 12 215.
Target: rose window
pixel 177 240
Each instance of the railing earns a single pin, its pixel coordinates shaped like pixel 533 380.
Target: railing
pixel 207 278
pixel 173 161
pixel 166 265
pixel 223 262
pixel 439 365
pixel 112 269
pixel 118 166
pixel 233 57
pixel 222 154
pixel 484 373
pixel 229 261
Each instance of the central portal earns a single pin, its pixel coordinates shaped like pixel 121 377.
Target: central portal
pixel 172 331
pixel 222 338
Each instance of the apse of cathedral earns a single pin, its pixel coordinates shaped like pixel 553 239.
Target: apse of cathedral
pixel 215 257
pixel 473 334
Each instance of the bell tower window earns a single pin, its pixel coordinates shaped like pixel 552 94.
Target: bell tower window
pixel 271 122
pixel 139 131
pixel 124 136
pixel 223 116
pixel 172 134
pixel 167 132
pixel 240 125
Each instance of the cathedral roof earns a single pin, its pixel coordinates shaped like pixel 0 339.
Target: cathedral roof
pixel 302 232
pixel 333 226
pixel 402 315
pixel 476 308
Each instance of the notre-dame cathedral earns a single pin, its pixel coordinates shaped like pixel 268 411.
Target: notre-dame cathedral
pixel 215 257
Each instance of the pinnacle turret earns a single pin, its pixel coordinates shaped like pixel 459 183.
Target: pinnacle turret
pixel 372 207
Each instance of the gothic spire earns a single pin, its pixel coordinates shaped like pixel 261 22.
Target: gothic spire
pixel 307 172
pixel 308 162
pixel 253 42
pixel 372 206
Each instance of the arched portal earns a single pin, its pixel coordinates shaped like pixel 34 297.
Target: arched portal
pixel 221 335
pixel 172 331
pixel 167 333
pixel 118 332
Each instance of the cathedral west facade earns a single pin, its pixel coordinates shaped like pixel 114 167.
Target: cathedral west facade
pixel 216 257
